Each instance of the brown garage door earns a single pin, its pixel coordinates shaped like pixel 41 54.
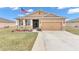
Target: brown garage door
pixel 51 26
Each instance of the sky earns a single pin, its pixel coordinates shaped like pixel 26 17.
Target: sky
pixel 12 13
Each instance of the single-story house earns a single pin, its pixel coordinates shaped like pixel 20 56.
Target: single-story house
pixel 43 20
pixel 6 23
pixel 73 23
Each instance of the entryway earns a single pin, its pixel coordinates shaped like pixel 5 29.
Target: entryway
pixel 35 23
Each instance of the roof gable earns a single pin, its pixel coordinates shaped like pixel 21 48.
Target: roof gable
pixel 41 13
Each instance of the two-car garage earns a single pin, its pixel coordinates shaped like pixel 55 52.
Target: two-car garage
pixel 52 25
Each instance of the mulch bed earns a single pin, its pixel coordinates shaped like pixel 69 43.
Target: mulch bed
pixel 21 31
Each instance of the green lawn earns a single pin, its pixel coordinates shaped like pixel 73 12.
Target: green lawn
pixel 16 41
pixel 72 30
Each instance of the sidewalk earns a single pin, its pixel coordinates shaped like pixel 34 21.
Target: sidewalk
pixel 39 44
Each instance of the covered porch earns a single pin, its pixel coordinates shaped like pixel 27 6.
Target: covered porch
pixel 32 23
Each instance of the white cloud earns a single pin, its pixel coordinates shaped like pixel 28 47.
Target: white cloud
pixel 73 11
pixel 30 10
pixel 14 8
pixel 61 7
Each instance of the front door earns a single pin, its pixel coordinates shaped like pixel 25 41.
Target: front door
pixel 35 23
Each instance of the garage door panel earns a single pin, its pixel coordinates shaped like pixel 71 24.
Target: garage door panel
pixel 51 26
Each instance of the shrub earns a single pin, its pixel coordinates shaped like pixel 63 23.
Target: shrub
pixel 38 29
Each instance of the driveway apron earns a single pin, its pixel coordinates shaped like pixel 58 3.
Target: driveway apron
pixel 56 41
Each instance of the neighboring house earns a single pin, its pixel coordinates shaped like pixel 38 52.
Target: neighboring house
pixel 6 23
pixel 73 23
pixel 42 20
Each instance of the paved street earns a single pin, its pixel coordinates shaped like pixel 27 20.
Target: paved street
pixel 56 41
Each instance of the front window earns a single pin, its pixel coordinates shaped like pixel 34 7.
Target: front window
pixel 28 22
pixel 20 22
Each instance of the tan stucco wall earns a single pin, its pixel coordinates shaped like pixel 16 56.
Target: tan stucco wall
pixel 52 20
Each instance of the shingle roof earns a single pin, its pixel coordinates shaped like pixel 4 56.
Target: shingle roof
pixel 41 14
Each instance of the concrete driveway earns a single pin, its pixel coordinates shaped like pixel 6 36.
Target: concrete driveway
pixel 56 41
